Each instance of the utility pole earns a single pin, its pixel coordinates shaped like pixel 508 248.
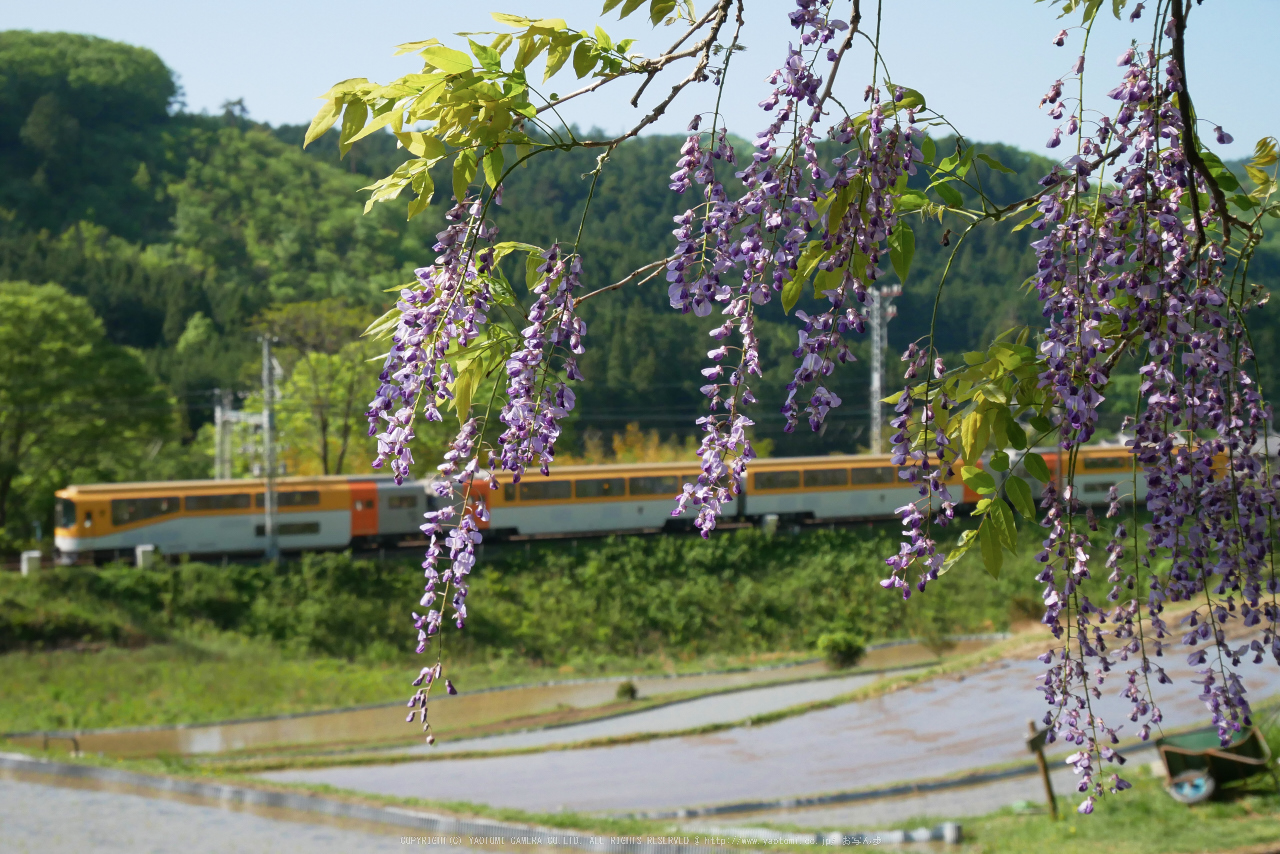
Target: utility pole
pixel 268 452
pixel 882 311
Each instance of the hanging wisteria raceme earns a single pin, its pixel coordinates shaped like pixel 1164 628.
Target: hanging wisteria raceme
pixel 1148 266
pixel 761 237
pixel 444 314
pixel 535 402
pixel 1131 263
pixel 447 309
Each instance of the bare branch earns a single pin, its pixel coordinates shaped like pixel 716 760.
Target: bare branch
pixel 631 277
pixel 704 50
pixel 647 66
pixel 854 22
pixel 655 68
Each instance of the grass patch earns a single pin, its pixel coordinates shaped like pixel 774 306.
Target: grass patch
pixel 88 648
pixel 191 642
pixel 1143 820
pixel 184 682
pixel 203 679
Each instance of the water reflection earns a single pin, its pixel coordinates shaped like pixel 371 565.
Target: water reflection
pixel 939 727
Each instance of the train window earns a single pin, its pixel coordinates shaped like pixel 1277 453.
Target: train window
pixel 239 501
pixel 1099 487
pixel 126 510
pixel 826 477
pixel 545 490
pixel 878 474
pixel 1096 463
pixel 65 513
pixel 303 498
pixel 509 492
pixel 660 485
pixel 777 479
pixel 291 529
pixel 401 502
pixel 604 487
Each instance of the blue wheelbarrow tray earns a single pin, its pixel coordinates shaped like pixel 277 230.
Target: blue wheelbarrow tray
pixel 1202 750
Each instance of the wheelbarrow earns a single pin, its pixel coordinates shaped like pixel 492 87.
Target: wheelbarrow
pixel 1197 764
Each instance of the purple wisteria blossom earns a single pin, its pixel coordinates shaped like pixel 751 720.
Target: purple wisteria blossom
pixel 1123 260
pixel 445 313
pixel 742 253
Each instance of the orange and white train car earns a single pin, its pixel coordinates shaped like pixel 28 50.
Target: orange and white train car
pixel 212 517
pixel 206 517
pixel 629 498
pixel 595 499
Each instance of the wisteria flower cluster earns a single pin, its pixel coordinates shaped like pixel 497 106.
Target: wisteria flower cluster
pixel 742 253
pixel 1131 263
pixel 535 403
pixel 1150 270
pixel 443 315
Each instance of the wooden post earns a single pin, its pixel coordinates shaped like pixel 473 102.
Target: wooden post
pixel 1035 743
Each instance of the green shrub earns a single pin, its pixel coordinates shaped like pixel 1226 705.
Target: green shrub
pixel 737 593
pixel 841 649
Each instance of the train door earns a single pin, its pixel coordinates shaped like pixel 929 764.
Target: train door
pixel 364 509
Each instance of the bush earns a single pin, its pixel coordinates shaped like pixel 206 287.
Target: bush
pixel 627 691
pixel 736 593
pixel 841 649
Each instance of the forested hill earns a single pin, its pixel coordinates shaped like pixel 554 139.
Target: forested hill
pixel 181 230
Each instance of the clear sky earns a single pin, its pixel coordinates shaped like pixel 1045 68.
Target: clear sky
pixel 985 63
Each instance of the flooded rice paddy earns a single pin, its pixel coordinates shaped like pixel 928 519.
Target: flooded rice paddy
pixel 943 726
pixel 40 818
pixel 687 715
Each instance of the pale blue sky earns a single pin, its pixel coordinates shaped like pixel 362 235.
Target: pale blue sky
pixel 985 63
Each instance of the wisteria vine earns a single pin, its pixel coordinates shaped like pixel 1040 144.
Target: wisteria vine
pixel 1141 265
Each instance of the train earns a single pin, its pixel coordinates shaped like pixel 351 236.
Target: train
pixel 203 518
pixel 209 518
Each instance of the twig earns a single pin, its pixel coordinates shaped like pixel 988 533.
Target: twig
pixel 649 66
pixel 854 22
pixel 630 277
pixel 703 48
pixel 653 71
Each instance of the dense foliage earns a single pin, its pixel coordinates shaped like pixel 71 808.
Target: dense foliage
pixel 180 230
pixel 737 593
pixel 72 404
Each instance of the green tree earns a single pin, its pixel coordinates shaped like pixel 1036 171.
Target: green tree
pixel 72 404
pixel 83 124
pixel 330 382
pixel 280 226
pixel 323 326
pixel 321 409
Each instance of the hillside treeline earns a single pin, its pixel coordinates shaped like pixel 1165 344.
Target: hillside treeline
pixel 189 235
